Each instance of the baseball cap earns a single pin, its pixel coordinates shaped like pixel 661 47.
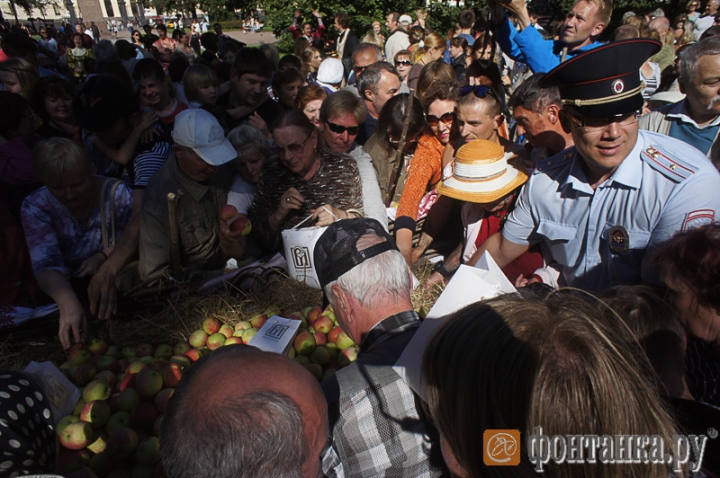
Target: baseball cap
pixel 336 251
pixel 405 20
pixel 604 81
pixel 197 129
pixel 107 99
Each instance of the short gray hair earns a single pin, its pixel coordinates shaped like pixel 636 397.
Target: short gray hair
pixel 369 46
pixel 369 79
pixel 690 57
pixel 380 277
pixel 258 434
pixel 246 138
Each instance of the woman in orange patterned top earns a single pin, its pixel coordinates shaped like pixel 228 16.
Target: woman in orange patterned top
pixel 440 105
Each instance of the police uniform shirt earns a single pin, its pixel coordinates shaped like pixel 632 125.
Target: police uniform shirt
pixel 605 237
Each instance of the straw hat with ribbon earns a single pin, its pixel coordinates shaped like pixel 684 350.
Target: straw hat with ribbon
pixel 482 174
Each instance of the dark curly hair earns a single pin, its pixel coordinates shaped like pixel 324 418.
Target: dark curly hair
pixel 693 258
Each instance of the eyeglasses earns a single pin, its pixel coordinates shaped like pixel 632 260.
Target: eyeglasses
pixel 593 125
pixel 292 148
pixel 396 142
pixel 340 129
pixel 447 119
pixel 403 63
pixel 480 91
pixel 359 69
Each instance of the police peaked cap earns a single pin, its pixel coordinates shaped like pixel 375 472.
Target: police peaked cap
pixel 604 81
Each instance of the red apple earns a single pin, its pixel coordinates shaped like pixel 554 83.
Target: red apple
pixel 144 350
pixel 107 362
pixel 226 330
pixel 198 339
pixel 123 441
pixel 76 436
pixel 181 347
pixel 96 390
pixel 348 356
pixel 313 314
pixel 323 324
pixel 78 355
pixel 258 321
pixel 98 346
pixel 320 338
pixel 143 416
pixel 241 224
pixel 161 399
pixel 242 325
pixel 96 413
pixel 248 334
pixel 227 212
pixel 171 374
pixel 333 334
pixel 344 341
pixel 84 374
pixel 193 354
pixel 135 367
pixel 215 341
pixel 233 341
pixel 164 351
pixel 128 381
pixel 304 343
pixel 211 326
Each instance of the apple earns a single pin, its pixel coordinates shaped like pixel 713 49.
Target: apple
pixel 227 212
pixel 108 377
pixel 135 367
pixel 128 353
pixel 123 442
pixel 79 406
pixel 320 338
pixel 233 341
pixel 295 316
pixel 343 341
pixel 242 225
pixel 303 359
pixel 304 343
pixel 143 416
pixel 148 451
pixel 348 356
pixel 78 355
pixel 146 359
pixel 323 324
pixel 143 350
pixel 198 338
pixel 272 310
pixel 320 355
pixel 333 350
pixel 65 421
pixel 98 346
pixel 70 461
pixel 164 351
pixel 292 353
pixel 258 321
pixel 84 374
pixel 333 334
pixel 313 314
pixel 128 399
pixel 182 360
pixel 76 436
pixel 171 374
pixel 103 463
pixel 113 351
pixel 210 326
pixel 242 325
pixel 96 390
pixel 128 381
pixel 181 347
pixel 162 398
pixel 96 413
pixel 215 341
pixel 107 362
pixel 148 382
pixel 315 369
pixel 248 334
pixel 226 330
pixel 193 354
pixel 99 444
pixel 117 421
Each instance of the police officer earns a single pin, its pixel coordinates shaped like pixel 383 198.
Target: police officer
pixel 600 208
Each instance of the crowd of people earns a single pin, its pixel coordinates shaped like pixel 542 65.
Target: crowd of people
pixel 577 157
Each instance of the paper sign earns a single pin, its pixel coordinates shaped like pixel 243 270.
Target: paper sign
pixel 467 286
pixel 276 335
pixel 60 392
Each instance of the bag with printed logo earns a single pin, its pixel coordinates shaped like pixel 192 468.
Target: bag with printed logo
pixel 299 244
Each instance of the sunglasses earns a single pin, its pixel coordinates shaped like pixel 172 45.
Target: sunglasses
pixel 403 63
pixel 359 69
pixel 592 125
pixel 480 91
pixel 292 148
pixel 340 129
pixel 447 119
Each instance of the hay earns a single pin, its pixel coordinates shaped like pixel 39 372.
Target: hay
pixel 177 314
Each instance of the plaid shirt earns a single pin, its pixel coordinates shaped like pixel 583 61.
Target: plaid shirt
pixel 377 421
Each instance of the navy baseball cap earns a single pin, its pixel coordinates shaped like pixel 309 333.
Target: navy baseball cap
pixel 336 251
pixel 604 81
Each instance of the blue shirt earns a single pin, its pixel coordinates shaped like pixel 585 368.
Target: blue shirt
pixel 662 187
pixel 684 128
pixel 529 46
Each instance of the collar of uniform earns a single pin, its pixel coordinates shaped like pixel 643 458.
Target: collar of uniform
pixel 193 188
pixel 628 173
pixel 680 111
pixel 392 325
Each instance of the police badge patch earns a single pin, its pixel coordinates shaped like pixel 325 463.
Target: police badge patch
pixel 699 218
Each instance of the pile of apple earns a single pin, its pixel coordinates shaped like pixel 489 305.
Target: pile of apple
pixel 114 427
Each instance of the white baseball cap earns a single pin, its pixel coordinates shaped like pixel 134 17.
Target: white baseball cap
pixel 405 20
pixel 198 129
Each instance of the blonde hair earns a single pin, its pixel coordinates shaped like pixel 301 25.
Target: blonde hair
pixel 605 9
pixel 26 73
pixel 374 38
pixel 556 362
pixel 197 77
pixel 59 160
pixel 431 40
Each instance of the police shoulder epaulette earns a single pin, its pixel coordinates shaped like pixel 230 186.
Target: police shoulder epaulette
pixel 554 161
pixel 667 164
